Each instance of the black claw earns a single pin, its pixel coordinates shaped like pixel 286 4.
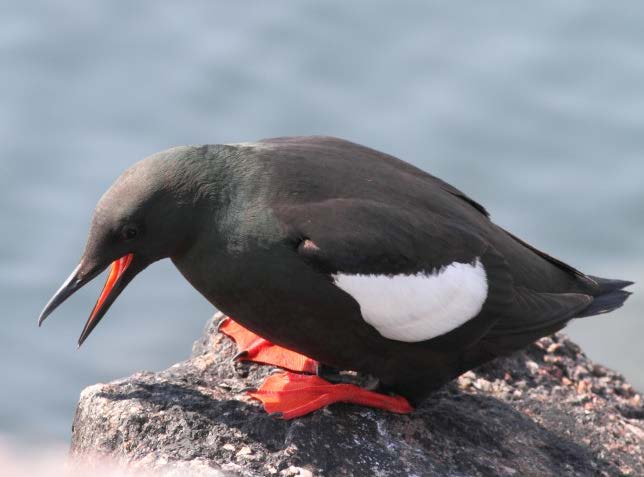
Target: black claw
pixel 249 389
pixel 277 415
pixel 221 322
pixel 324 370
pixel 241 354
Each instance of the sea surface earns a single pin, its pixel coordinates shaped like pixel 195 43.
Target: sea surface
pixel 534 109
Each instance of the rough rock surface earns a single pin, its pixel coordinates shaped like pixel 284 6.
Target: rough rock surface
pixel 546 411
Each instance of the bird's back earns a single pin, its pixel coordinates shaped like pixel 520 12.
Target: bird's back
pixel 317 169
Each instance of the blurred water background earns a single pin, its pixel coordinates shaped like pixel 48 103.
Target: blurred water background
pixel 536 110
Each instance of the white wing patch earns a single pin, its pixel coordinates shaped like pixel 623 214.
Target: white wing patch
pixel 419 307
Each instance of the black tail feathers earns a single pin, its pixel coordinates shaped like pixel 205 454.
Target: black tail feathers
pixel 611 296
pixel 607 285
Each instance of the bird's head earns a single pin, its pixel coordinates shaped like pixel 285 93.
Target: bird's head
pixel 146 215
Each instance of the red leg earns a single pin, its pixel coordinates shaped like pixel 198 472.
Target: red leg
pixel 294 395
pixel 255 348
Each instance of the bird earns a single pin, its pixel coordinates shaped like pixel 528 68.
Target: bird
pixel 327 256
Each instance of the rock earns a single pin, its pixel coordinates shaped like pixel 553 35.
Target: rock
pixel 545 411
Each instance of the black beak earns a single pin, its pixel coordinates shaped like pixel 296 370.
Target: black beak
pixel 73 283
pixel 117 280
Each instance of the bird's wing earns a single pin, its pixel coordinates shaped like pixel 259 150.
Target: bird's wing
pixel 531 316
pixel 368 237
pixel 533 311
pixel 416 275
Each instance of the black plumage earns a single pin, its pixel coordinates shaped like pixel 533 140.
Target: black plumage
pixel 260 229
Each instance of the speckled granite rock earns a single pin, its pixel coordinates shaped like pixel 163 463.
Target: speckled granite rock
pixel 546 411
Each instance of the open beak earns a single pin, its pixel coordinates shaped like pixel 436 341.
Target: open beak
pixel 114 285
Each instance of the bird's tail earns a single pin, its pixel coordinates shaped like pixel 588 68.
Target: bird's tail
pixel 610 297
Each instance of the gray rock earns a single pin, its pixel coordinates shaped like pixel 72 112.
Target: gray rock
pixel 545 411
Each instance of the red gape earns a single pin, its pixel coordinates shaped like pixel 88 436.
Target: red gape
pixel 292 395
pixel 117 269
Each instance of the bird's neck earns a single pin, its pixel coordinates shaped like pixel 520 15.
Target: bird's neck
pixel 221 188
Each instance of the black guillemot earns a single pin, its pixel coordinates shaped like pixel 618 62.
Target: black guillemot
pixel 333 256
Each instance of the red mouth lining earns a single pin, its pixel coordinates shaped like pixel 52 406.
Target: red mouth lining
pixel 117 268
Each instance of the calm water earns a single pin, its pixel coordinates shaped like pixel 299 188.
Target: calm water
pixel 538 112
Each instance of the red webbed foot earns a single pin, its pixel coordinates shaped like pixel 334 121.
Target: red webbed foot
pixel 293 395
pixel 254 348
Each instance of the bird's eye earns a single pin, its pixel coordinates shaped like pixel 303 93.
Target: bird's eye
pixel 129 233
